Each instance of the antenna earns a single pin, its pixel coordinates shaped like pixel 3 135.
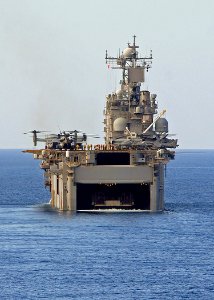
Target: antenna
pixel 134 36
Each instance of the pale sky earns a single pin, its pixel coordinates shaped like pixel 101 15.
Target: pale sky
pixel 53 73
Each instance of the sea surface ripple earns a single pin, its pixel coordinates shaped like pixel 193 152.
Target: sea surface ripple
pixel 46 254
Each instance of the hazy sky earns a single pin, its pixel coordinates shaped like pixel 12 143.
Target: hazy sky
pixel 53 73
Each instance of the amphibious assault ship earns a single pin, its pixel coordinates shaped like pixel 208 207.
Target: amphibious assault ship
pixel 127 170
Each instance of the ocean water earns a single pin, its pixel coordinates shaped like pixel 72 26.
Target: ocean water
pixel 53 255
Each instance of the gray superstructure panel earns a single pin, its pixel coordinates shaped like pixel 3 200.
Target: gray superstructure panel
pixel 113 174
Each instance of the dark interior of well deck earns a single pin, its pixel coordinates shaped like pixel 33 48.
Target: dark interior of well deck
pixel 131 196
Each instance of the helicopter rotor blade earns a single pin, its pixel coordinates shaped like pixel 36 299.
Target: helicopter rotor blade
pixel 35 131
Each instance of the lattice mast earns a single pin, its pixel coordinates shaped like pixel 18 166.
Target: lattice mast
pixel 125 108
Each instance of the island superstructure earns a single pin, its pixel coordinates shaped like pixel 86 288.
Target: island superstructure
pixel 127 170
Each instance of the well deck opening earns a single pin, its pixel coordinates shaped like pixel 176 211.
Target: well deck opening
pixel 127 196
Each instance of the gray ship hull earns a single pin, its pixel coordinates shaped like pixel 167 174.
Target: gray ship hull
pixel 127 171
pixel 87 186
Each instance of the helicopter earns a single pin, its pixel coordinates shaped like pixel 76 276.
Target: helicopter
pixel 35 138
pixel 67 139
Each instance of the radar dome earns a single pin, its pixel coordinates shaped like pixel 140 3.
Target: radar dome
pixel 128 52
pixel 119 124
pixel 119 93
pixel 161 125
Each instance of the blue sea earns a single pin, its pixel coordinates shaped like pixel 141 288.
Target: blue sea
pixel 46 254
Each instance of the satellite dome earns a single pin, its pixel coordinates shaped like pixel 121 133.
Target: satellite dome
pixel 128 52
pixel 119 124
pixel 153 96
pixel 161 125
pixel 119 93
